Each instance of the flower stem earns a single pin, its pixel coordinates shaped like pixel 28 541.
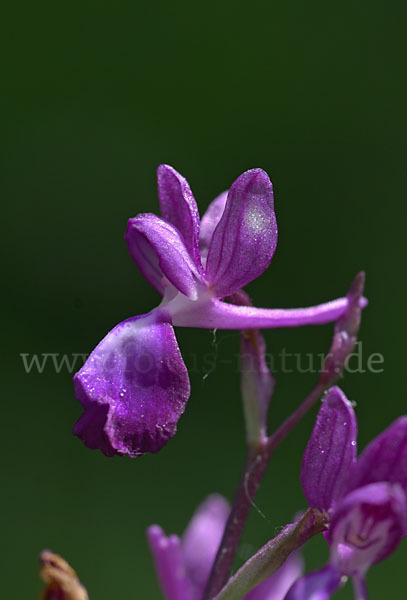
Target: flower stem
pixel 256 462
pixel 260 452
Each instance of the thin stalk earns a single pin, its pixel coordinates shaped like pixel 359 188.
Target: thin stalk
pixel 256 462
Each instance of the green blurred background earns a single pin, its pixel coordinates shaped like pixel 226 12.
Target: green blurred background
pixel 97 94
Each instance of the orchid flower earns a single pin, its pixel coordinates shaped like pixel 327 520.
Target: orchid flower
pixel 183 565
pixel 365 498
pixel 134 385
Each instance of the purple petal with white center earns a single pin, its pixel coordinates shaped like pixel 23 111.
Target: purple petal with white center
pixel 134 387
pixel 210 221
pixel 159 251
pixel 276 586
pixel 319 585
pixel 245 238
pixel 214 314
pixel 201 540
pixel 384 459
pixel 331 451
pixel 366 526
pixel 178 206
pixel 169 564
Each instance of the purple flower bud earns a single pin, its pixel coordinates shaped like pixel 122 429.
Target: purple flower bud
pixel 331 451
pixel 183 566
pixel 345 335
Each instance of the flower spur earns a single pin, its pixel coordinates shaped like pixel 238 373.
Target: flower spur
pixel 134 385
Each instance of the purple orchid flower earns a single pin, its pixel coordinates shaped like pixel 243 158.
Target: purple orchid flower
pixel 365 498
pixel 134 385
pixel 183 565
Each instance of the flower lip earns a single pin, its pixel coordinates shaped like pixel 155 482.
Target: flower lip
pixel 134 387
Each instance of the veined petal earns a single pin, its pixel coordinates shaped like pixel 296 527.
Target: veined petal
pixel 331 451
pixel 210 221
pixel 201 540
pixel 169 564
pixel 159 251
pixel 178 206
pixel 245 238
pixel 384 459
pixel 319 585
pixel 134 387
pixel 276 586
pixel 366 526
pixel 214 314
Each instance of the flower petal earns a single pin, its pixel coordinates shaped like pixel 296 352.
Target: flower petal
pixel 245 239
pixel 276 586
pixel 178 206
pixel 319 585
pixel 169 564
pixel 366 526
pixel 159 251
pixel 201 540
pixel 331 451
pixel 210 221
pixel 134 387
pixel 384 459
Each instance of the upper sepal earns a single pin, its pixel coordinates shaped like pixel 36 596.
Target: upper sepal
pixel 331 451
pixel 134 387
pixel 160 253
pixel 178 206
pixel 210 221
pixel 245 238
